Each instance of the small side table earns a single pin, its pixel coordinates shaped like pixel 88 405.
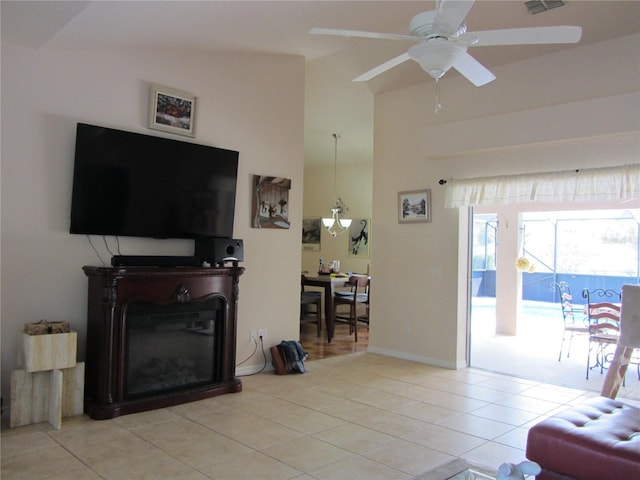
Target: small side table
pixel 51 385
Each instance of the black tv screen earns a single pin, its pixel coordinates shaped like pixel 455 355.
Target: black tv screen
pixel 130 184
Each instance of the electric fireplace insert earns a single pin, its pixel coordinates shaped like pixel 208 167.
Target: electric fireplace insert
pixel 158 337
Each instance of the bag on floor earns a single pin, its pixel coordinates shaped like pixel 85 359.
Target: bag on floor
pixel 289 358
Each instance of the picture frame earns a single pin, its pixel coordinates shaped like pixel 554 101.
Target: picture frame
pixel 360 238
pixel 414 206
pixel 172 110
pixel 311 234
pixel 270 202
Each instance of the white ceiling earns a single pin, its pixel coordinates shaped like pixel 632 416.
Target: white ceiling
pixel 333 102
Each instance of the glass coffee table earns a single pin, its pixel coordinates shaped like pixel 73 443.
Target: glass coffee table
pixel 458 469
pixel 470 474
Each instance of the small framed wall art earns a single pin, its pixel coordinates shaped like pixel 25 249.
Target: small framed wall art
pixel 311 234
pixel 172 110
pixel 359 237
pixel 270 202
pixel 414 206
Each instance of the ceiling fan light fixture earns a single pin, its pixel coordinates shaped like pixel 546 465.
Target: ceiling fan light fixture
pixel 436 57
pixel 443 39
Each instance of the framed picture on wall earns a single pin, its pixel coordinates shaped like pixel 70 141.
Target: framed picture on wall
pixel 172 110
pixel 311 234
pixel 359 237
pixel 270 202
pixel 414 206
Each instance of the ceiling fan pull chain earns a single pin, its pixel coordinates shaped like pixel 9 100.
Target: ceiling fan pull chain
pixel 438 106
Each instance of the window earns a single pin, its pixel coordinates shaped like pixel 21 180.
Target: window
pixel 599 242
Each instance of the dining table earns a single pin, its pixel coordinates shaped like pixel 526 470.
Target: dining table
pixel 329 283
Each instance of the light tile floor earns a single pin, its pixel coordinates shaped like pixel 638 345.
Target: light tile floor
pixel 350 417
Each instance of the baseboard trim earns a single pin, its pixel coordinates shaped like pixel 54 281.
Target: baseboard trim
pixel 415 358
pixel 253 369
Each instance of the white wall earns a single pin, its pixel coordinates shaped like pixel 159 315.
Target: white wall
pixel 45 93
pixel 557 112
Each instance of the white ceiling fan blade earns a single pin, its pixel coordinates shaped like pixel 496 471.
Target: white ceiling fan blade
pixel 374 72
pixel 524 36
pixel 473 70
pixel 360 34
pixel 450 15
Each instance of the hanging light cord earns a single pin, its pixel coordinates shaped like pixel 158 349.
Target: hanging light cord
pixel 438 105
pixel 335 165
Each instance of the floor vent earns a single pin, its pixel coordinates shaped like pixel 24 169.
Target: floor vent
pixel 539 6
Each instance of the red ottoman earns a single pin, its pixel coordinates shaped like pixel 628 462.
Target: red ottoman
pixel 597 440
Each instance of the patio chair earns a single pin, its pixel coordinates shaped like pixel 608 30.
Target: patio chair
pixel 604 324
pixel 628 343
pixel 572 326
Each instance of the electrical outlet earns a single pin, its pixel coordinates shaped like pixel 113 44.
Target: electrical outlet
pixel 262 333
pixel 253 335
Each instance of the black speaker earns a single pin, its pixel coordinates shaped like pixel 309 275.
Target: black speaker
pixel 218 250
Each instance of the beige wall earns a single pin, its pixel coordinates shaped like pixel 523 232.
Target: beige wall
pixel 45 93
pixel 354 185
pixel 553 113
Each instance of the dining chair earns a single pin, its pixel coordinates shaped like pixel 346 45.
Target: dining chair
pixel 603 312
pixel 357 298
pixel 364 315
pixel 310 299
pixel 572 326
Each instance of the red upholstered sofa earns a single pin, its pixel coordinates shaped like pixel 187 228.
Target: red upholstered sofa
pixel 597 440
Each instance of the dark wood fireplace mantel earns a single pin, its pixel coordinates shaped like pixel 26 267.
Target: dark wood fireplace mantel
pixel 115 293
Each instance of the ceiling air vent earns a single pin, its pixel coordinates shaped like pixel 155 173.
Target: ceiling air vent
pixel 539 6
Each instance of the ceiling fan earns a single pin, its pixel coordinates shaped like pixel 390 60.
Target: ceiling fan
pixel 442 41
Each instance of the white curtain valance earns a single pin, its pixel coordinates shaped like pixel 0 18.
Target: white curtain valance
pixel 584 185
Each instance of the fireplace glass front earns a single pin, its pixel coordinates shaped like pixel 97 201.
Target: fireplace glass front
pixel 172 347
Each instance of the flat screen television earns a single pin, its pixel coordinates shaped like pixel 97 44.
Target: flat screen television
pixel 130 184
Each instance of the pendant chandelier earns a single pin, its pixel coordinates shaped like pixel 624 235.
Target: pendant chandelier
pixel 336 224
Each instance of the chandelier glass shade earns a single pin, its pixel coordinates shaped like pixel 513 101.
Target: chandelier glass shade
pixel 336 224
